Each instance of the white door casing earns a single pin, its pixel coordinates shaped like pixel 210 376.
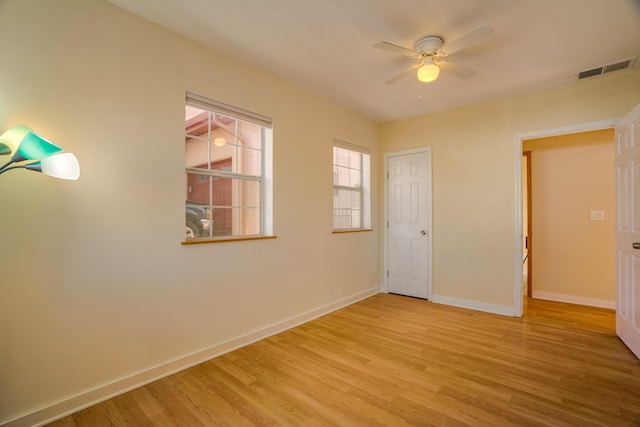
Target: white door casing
pixel 628 230
pixel 408 220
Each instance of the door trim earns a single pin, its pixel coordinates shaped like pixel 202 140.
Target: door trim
pixel 385 285
pixel 518 237
pixel 527 155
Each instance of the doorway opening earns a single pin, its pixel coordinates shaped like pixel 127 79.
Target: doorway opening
pixel 571 218
pixel 522 218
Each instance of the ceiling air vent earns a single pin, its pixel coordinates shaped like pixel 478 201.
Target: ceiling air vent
pixel 622 65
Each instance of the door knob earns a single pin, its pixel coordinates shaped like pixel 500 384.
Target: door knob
pixel 423 232
pixel 636 245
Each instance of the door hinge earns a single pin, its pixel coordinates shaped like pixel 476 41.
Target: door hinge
pixel 387 273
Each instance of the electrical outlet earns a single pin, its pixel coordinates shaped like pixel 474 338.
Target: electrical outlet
pixel 597 215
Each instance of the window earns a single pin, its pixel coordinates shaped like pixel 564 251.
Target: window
pixel 351 187
pixel 228 171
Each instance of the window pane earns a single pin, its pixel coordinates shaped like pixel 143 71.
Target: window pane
pixel 221 224
pixel 224 123
pixel 197 220
pixel 356 219
pixel 343 176
pixel 347 212
pixel 222 139
pixel 221 200
pixel 343 199
pixel 342 157
pixel 248 193
pixel 249 135
pixel 224 165
pixel 250 221
pixel 196 122
pixel 354 160
pixel 197 206
pixel 221 191
pixel 196 153
pixel 222 151
pixel 198 189
pixel 355 177
pixel 355 199
pixel 248 161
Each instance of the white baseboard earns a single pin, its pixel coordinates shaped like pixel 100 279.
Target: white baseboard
pixel 84 400
pixel 505 310
pixel 572 299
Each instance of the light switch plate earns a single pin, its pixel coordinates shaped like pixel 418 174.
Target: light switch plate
pixel 597 215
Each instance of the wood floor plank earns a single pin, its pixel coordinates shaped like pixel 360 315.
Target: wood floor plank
pixel 393 360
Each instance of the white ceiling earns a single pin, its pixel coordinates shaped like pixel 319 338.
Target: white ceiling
pixel 326 45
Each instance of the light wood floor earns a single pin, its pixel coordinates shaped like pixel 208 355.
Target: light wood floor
pixel 392 360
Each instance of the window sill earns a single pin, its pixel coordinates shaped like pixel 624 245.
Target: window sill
pixel 354 230
pixel 206 240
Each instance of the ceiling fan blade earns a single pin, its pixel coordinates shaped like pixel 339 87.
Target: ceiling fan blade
pixel 396 49
pixel 468 40
pixel 457 70
pixel 402 74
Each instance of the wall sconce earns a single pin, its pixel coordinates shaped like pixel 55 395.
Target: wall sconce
pixel 33 152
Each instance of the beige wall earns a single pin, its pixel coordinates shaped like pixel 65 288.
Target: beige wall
pixel 573 256
pixel 474 185
pixel 95 286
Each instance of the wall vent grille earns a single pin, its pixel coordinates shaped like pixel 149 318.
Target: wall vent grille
pixel 609 68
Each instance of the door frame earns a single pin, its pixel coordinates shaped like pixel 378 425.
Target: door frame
pixel 518 236
pixel 527 155
pixel 385 224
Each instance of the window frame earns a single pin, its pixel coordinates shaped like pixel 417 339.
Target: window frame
pixel 364 189
pixel 265 178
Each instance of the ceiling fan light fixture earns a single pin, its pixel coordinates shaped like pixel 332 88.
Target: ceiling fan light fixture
pixel 428 72
pixel 430 51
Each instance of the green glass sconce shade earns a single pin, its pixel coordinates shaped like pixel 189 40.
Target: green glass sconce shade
pixel 4 149
pixel 27 145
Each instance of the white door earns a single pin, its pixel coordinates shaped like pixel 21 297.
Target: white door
pixel 628 230
pixel 409 223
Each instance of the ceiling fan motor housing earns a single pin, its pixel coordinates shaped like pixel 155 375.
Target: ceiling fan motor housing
pixel 429 45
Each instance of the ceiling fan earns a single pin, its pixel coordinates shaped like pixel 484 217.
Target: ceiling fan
pixel 430 52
